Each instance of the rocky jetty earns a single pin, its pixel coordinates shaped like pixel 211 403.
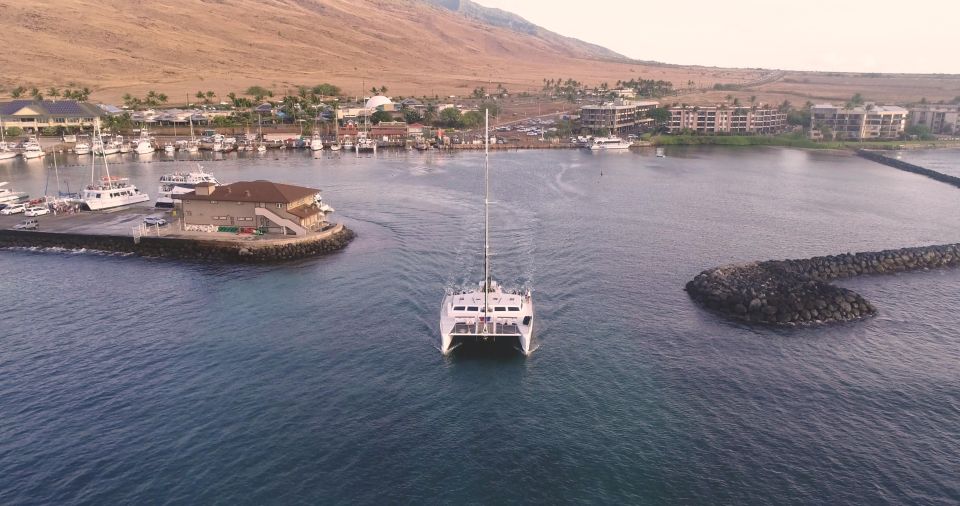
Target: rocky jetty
pixel 909 167
pixel 793 292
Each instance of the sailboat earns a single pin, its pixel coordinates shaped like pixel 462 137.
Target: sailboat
pixel 192 146
pixel 336 133
pixel 108 192
pixel 5 152
pixel 144 144
pixel 487 313
pixel 364 142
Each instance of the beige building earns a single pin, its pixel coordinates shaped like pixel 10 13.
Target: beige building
pixel 32 115
pixel 619 118
pixel 940 119
pixel 869 121
pixel 727 120
pixel 258 205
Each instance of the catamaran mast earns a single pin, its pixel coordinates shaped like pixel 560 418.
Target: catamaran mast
pixel 486 217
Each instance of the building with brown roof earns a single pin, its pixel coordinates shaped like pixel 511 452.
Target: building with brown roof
pixel 264 206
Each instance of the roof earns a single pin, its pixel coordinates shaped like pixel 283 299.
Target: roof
pixel 305 211
pixel 377 101
pixel 256 191
pixel 51 108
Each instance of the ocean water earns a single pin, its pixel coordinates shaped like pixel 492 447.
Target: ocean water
pixel 131 380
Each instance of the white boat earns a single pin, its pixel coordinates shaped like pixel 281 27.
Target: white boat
pixel 169 149
pixel 335 146
pixel 32 149
pixel 144 144
pixel 81 148
pixel 5 152
pixel 487 314
pixel 176 184
pixel 122 147
pixel 316 143
pixel 8 196
pixel 108 147
pixel 261 148
pixel 108 192
pixel 609 143
pixel 661 153
pixel 365 144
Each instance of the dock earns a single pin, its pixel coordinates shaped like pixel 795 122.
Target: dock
pixel 122 231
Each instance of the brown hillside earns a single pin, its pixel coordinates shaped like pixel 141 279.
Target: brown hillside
pixel 415 48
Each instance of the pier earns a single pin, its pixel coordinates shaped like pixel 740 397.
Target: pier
pixel 122 232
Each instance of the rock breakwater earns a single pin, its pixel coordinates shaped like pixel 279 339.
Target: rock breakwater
pixel 792 292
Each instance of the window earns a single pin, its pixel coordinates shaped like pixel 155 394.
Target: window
pixel 279 206
pixel 512 308
pixel 459 308
pixel 500 308
pixel 472 308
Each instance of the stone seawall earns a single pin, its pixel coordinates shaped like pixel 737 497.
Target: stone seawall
pixel 909 167
pixel 183 248
pixel 791 292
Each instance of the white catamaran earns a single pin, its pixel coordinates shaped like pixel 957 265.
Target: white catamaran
pixel 488 313
pixel 108 192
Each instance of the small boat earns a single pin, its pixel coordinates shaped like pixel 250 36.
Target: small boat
pixel 5 152
pixel 335 146
pixel 82 148
pixel 605 143
pixel 316 142
pixel 8 196
pixel 32 149
pixel 660 153
pixel 169 149
pixel 144 145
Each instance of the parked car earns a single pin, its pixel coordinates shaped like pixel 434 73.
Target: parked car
pixel 154 221
pixel 13 209
pixel 30 224
pixel 36 211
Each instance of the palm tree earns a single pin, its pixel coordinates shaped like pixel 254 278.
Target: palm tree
pixel 35 94
pixel 53 92
pixel 210 95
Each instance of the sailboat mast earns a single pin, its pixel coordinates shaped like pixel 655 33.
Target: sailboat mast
pixel 486 215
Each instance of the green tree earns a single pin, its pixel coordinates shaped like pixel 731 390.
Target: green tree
pixel 17 92
pixel 411 116
pixel 326 89
pixel 451 117
pixel 53 92
pixel 490 106
pixel 660 115
pixel 471 119
pixel 258 92
pixel 210 95
pixel 855 100
pixel 479 92
pixel 14 131
pixel 36 94
pixel 379 116
pixel 921 132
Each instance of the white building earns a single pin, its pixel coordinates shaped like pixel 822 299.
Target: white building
pixel 940 119
pixel 869 121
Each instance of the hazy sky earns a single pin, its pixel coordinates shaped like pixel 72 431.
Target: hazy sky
pixel 853 35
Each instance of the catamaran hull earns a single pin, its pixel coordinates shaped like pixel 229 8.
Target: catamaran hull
pixel 110 203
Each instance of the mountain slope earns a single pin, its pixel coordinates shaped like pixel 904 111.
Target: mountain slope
pixel 501 18
pixel 181 46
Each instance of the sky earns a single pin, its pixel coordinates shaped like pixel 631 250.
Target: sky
pixel 916 36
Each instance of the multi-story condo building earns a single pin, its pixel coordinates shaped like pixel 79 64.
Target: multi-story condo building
pixel 940 119
pixel 869 121
pixel 619 118
pixel 727 120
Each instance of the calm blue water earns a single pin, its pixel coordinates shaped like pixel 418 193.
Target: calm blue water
pixel 946 161
pixel 130 380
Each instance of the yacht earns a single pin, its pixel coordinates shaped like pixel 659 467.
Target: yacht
pixel 489 313
pixel 365 143
pixel 6 153
pixel 144 145
pixel 108 192
pixel 32 149
pixel 347 143
pixel 107 147
pixel 335 146
pixel 609 143
pixel 316 142
pixel 169 149
pixel 81 148
pixel 178 183
pixel 661 153
pixel 8 196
